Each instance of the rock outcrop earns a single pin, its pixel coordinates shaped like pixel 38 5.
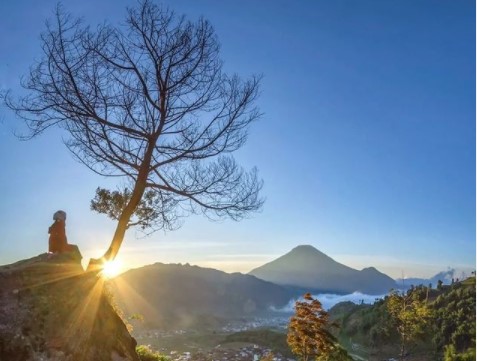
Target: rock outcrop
pixel 50 309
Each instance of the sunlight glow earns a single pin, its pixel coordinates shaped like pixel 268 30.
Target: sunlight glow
pixel 111 269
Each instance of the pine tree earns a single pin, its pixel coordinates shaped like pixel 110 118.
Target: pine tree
pixel 308 333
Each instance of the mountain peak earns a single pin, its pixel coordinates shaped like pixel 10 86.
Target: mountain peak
pixel 307 267
pixel 305 248
pixel 306 256
pixel 369 269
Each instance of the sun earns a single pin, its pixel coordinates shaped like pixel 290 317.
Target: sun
pixel 111 269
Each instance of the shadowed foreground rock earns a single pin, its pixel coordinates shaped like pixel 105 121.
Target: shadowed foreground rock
pixel 50 309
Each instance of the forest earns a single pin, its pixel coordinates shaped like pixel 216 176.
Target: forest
pixel 430 323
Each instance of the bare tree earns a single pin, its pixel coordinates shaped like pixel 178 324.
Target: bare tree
pixel 147 101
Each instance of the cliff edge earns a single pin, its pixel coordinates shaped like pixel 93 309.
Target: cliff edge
pixel 50 309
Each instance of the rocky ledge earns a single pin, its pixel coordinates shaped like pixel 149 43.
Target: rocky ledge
pixel 50 309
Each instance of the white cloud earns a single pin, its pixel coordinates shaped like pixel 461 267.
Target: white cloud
pixel 328 300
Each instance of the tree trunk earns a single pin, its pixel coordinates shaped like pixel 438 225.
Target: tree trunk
pixel 402 349
pixel 137 193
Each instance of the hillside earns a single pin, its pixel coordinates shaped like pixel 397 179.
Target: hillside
pixel 451 327
pixel 179 296
pixel 308 268
pixel 50 309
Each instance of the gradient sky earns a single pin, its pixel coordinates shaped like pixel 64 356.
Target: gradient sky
pixel 366 146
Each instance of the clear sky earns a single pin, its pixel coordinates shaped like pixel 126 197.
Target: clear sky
pixel 366 146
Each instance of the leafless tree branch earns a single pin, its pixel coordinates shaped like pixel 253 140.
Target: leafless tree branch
pixel 147 101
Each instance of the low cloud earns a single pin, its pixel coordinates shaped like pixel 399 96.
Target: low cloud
pixel 328 300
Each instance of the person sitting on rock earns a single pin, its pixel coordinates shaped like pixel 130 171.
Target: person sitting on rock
pixel 57 241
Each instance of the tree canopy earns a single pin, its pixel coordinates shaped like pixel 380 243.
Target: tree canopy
pixel 146 101
pixel 410 316
pixel 308 333
pixel 423 323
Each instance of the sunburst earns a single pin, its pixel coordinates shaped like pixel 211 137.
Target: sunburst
pixel 111 269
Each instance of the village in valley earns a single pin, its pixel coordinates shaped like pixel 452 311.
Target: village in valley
pixel 212 345
pixel 219 353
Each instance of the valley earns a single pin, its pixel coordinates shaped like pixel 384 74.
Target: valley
pixel 238 340
pixel 188 312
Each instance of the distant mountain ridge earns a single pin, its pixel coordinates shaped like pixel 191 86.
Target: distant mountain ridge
pixel 308 268
pixel 445 276
pixel 177 296
pixel 174 296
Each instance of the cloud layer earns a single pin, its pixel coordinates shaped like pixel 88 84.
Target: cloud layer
pixel 328 300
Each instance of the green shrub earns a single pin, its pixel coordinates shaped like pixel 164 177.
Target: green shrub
pixel 146 354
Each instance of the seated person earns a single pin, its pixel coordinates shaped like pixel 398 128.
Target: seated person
pixel 57 242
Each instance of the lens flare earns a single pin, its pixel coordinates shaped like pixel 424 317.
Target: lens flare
pixel 111 269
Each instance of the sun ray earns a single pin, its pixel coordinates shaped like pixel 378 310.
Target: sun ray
pixel 131 299
pixel 111 269
pixel 84 315
pixel 47 274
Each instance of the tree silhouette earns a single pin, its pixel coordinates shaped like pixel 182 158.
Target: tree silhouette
pixel 439 285
pixel 146 101
pixel 308 333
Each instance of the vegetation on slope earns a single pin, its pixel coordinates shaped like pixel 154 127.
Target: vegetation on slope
pixel 449 320
pixel 455 321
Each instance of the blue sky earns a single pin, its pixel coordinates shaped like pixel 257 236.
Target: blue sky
pixel 366 146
